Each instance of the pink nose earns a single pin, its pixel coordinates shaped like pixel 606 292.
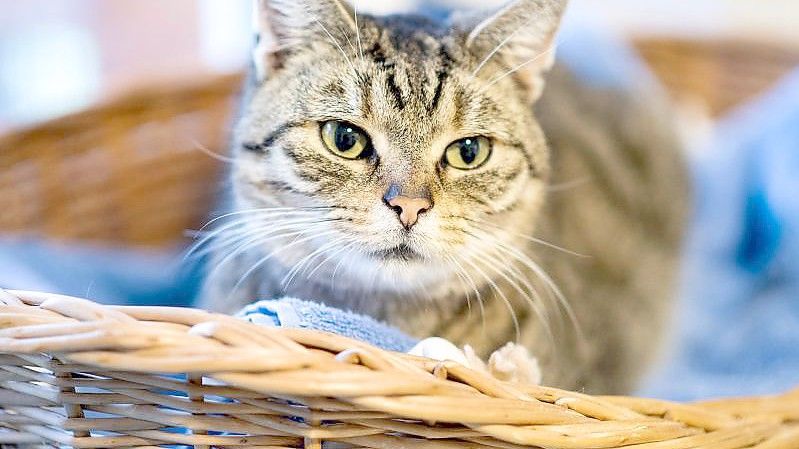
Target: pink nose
pixel 408 208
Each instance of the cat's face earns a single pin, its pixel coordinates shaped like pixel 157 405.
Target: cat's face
pixel 401 150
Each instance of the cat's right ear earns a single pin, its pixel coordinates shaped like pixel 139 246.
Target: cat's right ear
pixel 285 26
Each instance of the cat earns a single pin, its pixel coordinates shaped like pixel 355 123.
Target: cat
pixel 421 173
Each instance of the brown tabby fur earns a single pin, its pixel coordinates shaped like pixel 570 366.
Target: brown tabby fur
pixel 609 185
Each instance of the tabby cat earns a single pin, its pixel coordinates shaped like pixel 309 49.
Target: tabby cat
pixel 413 171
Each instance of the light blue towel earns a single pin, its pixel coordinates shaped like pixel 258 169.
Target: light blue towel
pixel 292 312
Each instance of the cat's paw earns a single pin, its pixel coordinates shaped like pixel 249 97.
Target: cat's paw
pixel 513 363
pixel 440 349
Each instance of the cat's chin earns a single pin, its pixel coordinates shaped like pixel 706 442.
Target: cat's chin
pixel 400 269
pixel 401 252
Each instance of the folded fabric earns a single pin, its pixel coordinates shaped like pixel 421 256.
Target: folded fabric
pixel 511 362
pixel 292 312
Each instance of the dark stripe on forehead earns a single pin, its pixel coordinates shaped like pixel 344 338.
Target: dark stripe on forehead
pixel 365 86
pixel 334 89
pixel 460 103
pixel 441 75
pixel 441 78
pixel 391 84
pixel 378 54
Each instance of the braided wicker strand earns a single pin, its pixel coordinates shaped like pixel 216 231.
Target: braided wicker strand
pixel 81 374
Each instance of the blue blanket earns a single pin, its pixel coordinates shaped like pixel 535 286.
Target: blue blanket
pixel 296 313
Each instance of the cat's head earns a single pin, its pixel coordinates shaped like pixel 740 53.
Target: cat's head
pixel 394 150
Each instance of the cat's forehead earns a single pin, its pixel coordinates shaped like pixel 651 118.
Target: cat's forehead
pixel 407 34
pixel 408 76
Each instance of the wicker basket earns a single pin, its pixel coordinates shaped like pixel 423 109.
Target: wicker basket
pixel 74 373
pixel 79 374
pixel 128 172
pixel 720 73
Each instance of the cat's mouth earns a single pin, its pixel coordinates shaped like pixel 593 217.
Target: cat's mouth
pixel 399 252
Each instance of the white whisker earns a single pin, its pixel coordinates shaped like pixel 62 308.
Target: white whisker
pixel 477 222
pixel 462 280
pixel 357 29
pixel 499 47
pixel 266 258
pixel 330 256
pixel 549 282
pixel 511 278
pixel 477 292
pixel 517 68
pixel 282 210
pixel 208 152
pixel 335 42
pixel 499 291
pixel 346 256
pixel 229 231
pixel 290 275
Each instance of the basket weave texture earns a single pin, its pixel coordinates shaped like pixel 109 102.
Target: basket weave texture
pixel 81 374
pixel 128 172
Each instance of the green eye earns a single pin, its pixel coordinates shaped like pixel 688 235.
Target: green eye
pixel 346 140
pixel 468 153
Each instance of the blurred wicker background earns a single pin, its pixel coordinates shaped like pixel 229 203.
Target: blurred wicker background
pixel 130 172
pixel 721 74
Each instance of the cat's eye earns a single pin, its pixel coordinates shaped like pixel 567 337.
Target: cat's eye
pixel 346 140
pixel 468 153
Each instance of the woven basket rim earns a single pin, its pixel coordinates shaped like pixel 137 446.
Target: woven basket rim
pixel 314 365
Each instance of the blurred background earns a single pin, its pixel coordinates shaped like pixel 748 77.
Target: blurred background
pixel 58 56
pixel 104 105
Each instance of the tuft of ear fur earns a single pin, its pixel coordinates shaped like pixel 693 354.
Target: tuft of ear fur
pixel 522 35
pixel 283 26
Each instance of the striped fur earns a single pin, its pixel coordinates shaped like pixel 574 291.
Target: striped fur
pixel 416 86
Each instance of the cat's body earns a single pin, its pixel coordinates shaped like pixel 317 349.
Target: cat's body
pixel 611 187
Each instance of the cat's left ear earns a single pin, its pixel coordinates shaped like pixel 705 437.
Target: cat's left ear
pixel 284 27
pixel 522 34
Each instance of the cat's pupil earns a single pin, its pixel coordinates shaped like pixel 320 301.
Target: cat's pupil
pixel 346 138
pixel 469 150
